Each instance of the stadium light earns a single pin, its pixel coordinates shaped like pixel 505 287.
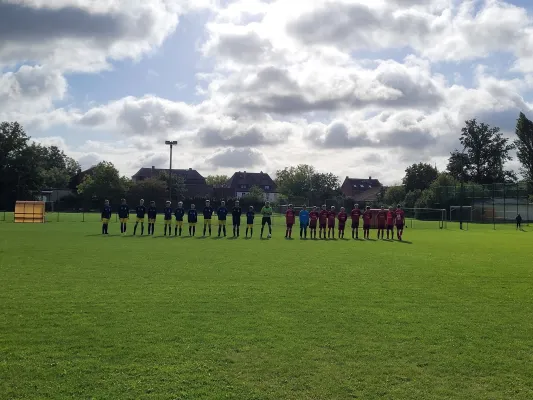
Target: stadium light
pixel 462 188
pixel 170 143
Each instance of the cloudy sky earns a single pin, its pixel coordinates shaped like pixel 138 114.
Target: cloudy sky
pixel 356 87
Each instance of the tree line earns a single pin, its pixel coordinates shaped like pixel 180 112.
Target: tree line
pixel 26 168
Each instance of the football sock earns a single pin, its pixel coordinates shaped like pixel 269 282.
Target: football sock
pixel 224 230
pixel 219 230
pixel 179 231
pixel 103 229
pixel 142 229
pixel 135 228
pixel 238 231
pixel 209 230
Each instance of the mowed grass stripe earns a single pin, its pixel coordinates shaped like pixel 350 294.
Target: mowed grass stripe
pixel 447 315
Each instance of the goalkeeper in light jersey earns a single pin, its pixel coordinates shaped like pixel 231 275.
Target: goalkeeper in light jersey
pixel 304 222
pixel 266 212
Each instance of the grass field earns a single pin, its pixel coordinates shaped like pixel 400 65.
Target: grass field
pixel 447 314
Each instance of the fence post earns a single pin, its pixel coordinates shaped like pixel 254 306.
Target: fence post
pixel 504 205
pixel 516 198
pixel 58 216
pixel 82 215
pixel 493 209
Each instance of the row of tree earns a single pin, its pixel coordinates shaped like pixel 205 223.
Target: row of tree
pixel 26 168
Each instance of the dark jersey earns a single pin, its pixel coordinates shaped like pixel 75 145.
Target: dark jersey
pixel 152 212
pixel 123 211
pixel 179 213
pixel 250 215
pixel 140 210
pixel 192 216
pixel 236 212
pixel 168 213
pixel 106 212
pixel 208 212
pixel 222 212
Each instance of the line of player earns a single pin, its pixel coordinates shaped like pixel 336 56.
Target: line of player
pixel 324 220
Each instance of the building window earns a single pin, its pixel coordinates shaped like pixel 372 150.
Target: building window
pixel 362 186
pixel 243 186
pixel 267 187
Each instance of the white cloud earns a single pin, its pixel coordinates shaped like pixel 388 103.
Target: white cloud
pixel 289 82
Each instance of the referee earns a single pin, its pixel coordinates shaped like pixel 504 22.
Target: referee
pixel 266 212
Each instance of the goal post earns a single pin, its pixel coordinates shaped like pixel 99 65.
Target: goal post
pixel 425 218
pixel 455 213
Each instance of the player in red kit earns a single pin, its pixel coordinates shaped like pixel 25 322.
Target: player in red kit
pixel 367 220
pixel 289 220
pixel 356 214
pixel 313 221
pixel 382 219
pixel 331 222
pixel 390 223
pixel 342 217
pixel 400 221
pixel 322 221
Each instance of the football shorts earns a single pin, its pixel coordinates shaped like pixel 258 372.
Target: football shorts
pixel 250 225
pixel 105 220
pixel 139 220
pixel 192 223
pixel 207 221
pixel 266 220
pixel 123 220
pixel 355 224
pixel 151 220
pixel 236 222
pixel 366 227
pixel 399 226
pixel 179 223
pixel 222 222
pixel 168 221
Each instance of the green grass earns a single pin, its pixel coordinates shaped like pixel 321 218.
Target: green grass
pixel 444 315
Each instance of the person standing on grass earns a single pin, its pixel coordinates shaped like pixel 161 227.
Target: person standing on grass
pixel 332 214
pixel 152 214
pixel 123 215
pixel 304 222
pixel 222 214
pixel 313 221
pixel 140 210
pixel 192 219
pixel 167 212
pixel 518 222
pixel 342 217
pixel 179 213
pixel 208 213
pixel 266 212
pixel 390 223
pixel 236 218
pixel 367 219
pixel 322 221
pixel 106 216
pixel 400 221
pixel 290 217
pixel 250 215
pixel 356 215
pixel 382 220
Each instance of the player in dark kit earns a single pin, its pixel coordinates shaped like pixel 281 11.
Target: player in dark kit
pixel 356 215
pixel 179 213
pixel 342 217
pixel 192 219
pixel 313 221
pixel 236 218
pixel 382 219
pixel 106 216
pixel 222 214
pixel 367 220
pixel 167 212
pixel 152 214
pixel 140 210
pixel 518 222
pixel 322 221
pixel 289 220
pixel 123 215
pixel 250 215
pixel 331 222
pixel 208 214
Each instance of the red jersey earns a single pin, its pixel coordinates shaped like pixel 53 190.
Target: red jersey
pixel 367 217
pixel 390 218
pixel 382 216
pixel 400 216
pixel 331 216
pixel 313 216
pixel 323 216
pixel 355 214
pixel 290 216
pixel 342 218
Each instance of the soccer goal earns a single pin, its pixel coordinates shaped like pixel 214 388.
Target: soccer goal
pixel 425 218
pixel 455 213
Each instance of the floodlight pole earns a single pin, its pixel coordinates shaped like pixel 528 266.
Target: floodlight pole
pixel 462 188
pixel 170 143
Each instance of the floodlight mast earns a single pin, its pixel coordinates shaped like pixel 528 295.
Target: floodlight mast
pixel 170 143
pixel 462 188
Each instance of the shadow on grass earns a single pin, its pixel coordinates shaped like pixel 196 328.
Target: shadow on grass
pixel 233 238
pixel 101 234
pixel 404 241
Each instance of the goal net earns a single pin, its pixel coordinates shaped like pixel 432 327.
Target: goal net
pixel 425 218
pixel 461 213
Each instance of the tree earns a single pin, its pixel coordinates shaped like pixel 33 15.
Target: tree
pixel 149 189
pixel 419 176
pixel 178 185
pixel 394 195
pixel 524 147
pixel 324 186
pixel 104 183
pixel 217 180
pixel 485 153
pixel 411 198
pixel 304 181
pixel 256 194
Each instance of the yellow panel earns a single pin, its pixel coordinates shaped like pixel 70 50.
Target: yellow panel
pixel 29 211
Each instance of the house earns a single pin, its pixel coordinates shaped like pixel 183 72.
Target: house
pixel 194 182
pixel 242 182
pixel 361 189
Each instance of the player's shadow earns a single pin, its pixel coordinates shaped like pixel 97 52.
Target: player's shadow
pixel 100 234
pixel 404 241
pixel 232 238
pixel 371 240
pixel 247 238
pixel 202 237
pixel 217 238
